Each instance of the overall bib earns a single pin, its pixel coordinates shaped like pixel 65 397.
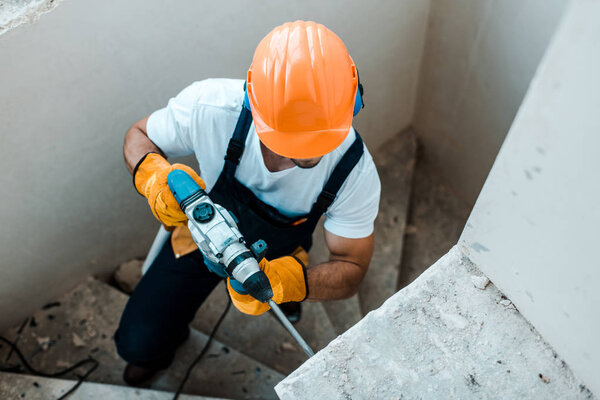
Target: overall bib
pixel 156 318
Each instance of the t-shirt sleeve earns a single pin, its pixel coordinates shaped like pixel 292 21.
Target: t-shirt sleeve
pixel 170 128
pixel 352 214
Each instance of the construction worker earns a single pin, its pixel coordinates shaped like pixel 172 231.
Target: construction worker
pixel 279 151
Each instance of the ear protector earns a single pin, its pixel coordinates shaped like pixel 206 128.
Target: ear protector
pixel 358 101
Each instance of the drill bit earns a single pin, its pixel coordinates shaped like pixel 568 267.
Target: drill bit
pixel 288 325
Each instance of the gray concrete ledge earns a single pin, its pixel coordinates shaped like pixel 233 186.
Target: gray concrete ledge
pixel 440 337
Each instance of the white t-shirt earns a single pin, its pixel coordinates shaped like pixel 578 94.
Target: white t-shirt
pixel 201 120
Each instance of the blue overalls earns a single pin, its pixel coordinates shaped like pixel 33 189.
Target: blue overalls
pixel 156 318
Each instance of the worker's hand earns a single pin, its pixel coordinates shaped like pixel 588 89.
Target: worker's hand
pixel 287 276
pixel 150 179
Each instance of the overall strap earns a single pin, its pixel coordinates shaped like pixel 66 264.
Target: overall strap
pixel 338 177
pixel 236 145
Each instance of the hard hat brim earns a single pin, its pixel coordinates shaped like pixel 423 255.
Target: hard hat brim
pixel 302 145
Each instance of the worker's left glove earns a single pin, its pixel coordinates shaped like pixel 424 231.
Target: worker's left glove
pixel 287 276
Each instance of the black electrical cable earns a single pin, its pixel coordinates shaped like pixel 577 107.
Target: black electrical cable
pixel 19 332
pixel 54 374
pixel 82 378
pixel 204 349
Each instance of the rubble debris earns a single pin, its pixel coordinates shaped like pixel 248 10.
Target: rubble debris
pixel 62 364
pixel 287 346
pixel 480 282
pixel 51 305
pixel 44 342
pixel 77 341
pixel 90 331
pixel 410 230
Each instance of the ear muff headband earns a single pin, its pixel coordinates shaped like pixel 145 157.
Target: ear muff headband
pixel 358 100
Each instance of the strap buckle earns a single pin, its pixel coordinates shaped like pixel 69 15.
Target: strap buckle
pixel 325 199
pixel 234 151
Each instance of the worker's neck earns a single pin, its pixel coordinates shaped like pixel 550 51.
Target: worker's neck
pixel 274 162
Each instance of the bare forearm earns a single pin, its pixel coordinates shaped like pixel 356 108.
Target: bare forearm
pixel 136 145
pixel 340 277
pixel 333 280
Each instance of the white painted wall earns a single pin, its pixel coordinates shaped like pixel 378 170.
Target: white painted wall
pixel 535 227
pixel 479 59
pixel 74 81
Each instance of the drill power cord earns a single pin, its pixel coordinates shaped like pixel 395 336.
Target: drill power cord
pixel 204 349
pixel 81 379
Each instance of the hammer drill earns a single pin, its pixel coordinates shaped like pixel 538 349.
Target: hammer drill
pixel 214 229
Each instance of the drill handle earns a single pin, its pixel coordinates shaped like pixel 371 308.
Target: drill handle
pixel 184 188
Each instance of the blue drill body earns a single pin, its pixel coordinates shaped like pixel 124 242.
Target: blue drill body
pixel 214 229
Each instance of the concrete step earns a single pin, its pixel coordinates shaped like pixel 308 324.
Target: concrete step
pixel 445 336
pixel 435 221
pixel 20 386
pixel 82 323
pixel 263 337
pixel 342 313
pixel 395 162
pixel 223 371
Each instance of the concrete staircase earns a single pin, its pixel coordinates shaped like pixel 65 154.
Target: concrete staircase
pixel 249 355
pixel 81 324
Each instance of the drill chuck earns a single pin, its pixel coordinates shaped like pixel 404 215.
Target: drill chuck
pixel 258 286
pixel 242 266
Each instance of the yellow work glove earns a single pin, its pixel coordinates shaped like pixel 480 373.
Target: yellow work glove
pixel 287 276
pixel 150 179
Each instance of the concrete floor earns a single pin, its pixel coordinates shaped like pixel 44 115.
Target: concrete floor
pixel 395 162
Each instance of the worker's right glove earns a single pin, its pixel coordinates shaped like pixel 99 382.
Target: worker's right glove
pixel 150 179
pixel 287 276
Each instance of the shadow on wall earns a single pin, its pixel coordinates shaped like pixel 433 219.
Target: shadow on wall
pixel 436 219
pixel 479 59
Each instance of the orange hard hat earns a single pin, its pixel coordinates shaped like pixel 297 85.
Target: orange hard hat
pixel 302 86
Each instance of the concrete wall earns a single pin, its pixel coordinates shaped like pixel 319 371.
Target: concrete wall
pixel 74 81
pixel 535 227
pixel 478 62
